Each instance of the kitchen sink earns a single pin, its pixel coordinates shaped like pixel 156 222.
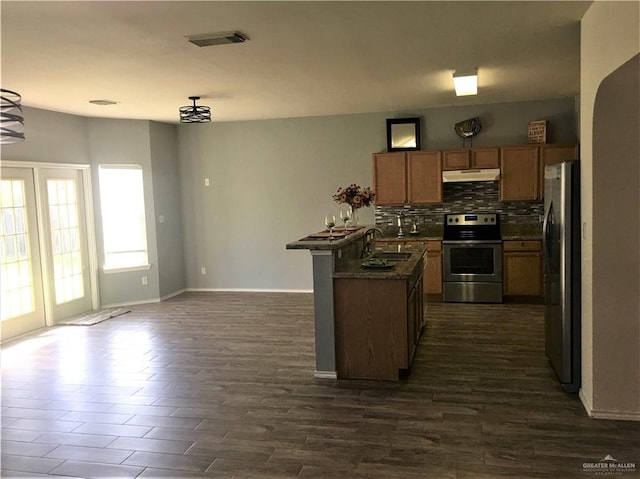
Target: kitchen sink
pixel 392 255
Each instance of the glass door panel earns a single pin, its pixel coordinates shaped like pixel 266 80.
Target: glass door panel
pixel 21 300
pixel 66 242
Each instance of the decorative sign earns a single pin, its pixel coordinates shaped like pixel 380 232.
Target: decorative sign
pixel 538 131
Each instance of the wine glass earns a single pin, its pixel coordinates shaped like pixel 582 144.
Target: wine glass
pixel 345 216
pixel 330 222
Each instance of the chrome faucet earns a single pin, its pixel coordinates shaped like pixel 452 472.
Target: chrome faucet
pixel 400 231
pixel 366 246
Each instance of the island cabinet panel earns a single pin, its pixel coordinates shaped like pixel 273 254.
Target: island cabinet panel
pixel 519 170
pixel 485 158
pixel 522 268
pixel 371 328
pixel 390 178
pixel 424 177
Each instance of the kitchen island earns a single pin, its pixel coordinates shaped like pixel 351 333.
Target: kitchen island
pixel 367 321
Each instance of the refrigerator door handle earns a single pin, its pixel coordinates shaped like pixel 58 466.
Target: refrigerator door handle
pixel 546 237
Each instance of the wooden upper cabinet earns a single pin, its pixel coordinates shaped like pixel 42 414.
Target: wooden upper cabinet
pixel 424 177
pixel 470 158
pixel 485 158
pixel 390 178
pixel 552 154
pixel 456 159
pixel 519 173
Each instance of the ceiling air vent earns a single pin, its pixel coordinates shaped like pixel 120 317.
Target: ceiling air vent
pixel 103 102
pixel 209 39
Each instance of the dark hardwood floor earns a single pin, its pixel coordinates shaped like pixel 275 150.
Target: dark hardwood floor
pixel 221 385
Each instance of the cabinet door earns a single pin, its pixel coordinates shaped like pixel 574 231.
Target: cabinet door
pixel 522 268
pixel 415 314
pixel 455 159
pixel 390 178
pixel 433 270
pixel 485 158
pixel 425 177
pixel 519 170
pixel 411 325
pixel 552 154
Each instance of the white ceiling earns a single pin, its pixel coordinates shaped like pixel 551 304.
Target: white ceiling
pixel 302 59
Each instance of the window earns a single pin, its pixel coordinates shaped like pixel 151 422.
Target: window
pixel 123 217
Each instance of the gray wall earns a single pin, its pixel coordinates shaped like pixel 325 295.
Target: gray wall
pixel 166 194
pixel 53 137
pixel 616 231
pixel 608 391
pixel 118 142
pixel 271 182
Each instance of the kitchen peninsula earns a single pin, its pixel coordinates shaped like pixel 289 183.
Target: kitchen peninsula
pixel 367 321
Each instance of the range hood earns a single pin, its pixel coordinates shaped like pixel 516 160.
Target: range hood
pixel 483 174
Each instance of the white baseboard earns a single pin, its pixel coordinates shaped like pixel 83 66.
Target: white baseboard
pixel 585 402
pixel 325 375
pixel 251 290
pixel 604 414
pixel 171 295
pixel 615 415
pixel 130 303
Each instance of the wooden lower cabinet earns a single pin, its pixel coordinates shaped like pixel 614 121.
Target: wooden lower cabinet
pixel 433 271
pixel 522 268
pixel 432 281
pixel 378 323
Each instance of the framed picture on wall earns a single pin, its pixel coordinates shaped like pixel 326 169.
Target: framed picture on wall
pixel 403 134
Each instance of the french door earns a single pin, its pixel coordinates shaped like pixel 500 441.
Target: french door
pixel 46 270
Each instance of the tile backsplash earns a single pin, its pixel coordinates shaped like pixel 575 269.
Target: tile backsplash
pixel 477 197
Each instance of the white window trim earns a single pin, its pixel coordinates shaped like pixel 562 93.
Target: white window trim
pixel 142 267
pixel 125 269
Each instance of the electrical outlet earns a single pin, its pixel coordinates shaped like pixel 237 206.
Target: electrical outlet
pixel 203 270
pixel 206 182
pixel 144 281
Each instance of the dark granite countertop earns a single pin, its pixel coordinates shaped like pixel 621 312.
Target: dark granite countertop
pixel 401 269
pixel 509 231
pixel 521 231
pixel 327 244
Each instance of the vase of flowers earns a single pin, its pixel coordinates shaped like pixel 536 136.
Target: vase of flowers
pixel 356 197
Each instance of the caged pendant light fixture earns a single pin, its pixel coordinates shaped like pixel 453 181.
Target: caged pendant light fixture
pixel 194 113
pixel 11 119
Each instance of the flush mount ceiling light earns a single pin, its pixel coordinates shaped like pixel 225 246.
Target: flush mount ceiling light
pixel 11 120
pixel 465 82
pixel 194 113
pixel 209 39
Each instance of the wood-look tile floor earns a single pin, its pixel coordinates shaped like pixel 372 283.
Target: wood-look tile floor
pixel 221 385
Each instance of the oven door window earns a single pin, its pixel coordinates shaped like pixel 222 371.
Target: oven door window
pixel 472 260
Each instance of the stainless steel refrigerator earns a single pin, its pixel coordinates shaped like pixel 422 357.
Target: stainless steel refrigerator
pixel 561 245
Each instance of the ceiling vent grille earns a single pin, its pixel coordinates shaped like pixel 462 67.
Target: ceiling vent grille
pixel 209 39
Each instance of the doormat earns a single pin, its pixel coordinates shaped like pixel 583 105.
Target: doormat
pixel 95 317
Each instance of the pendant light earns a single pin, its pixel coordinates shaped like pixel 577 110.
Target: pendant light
pixel 194 113
pixel 11 119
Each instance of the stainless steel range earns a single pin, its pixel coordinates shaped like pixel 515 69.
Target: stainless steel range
pixel 472 258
